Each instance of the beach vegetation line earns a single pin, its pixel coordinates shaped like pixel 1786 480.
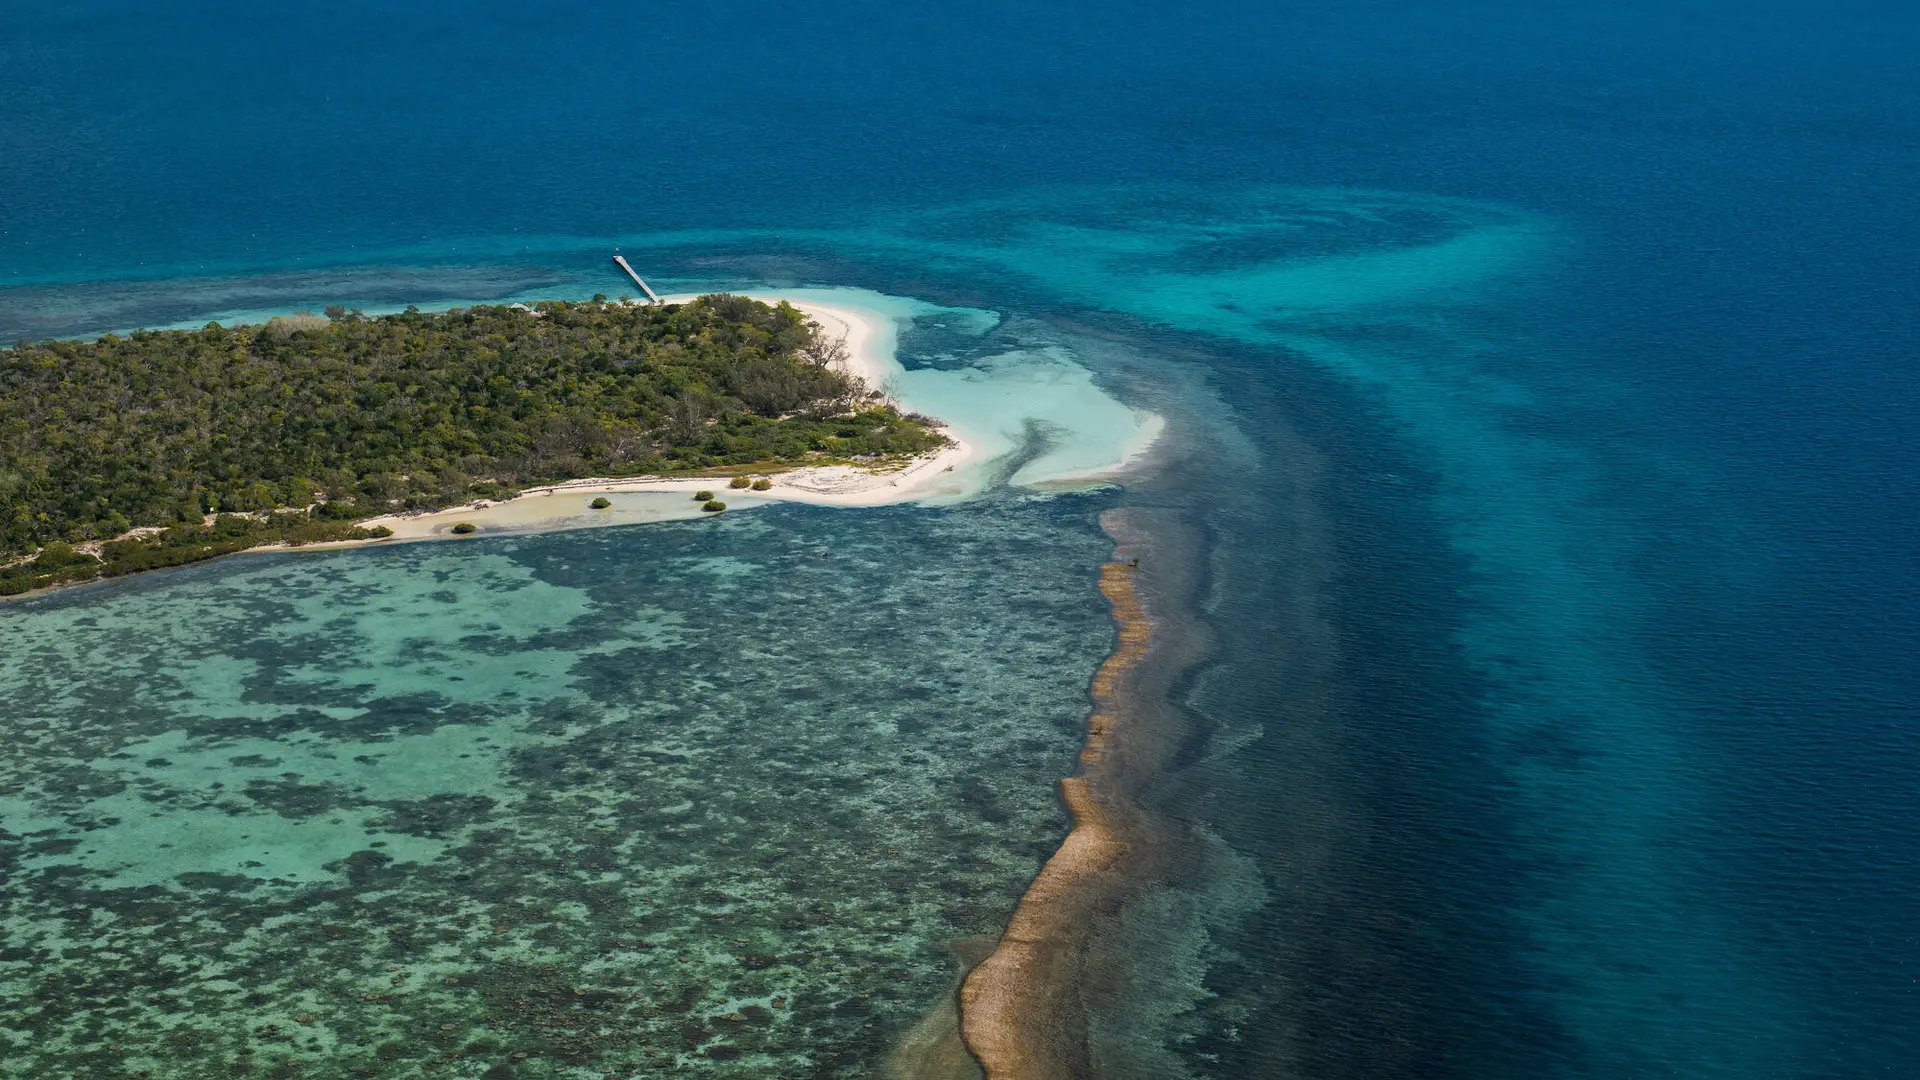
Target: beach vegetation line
pixel 156 444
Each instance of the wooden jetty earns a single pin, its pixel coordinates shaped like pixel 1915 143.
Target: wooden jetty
pixel 621 262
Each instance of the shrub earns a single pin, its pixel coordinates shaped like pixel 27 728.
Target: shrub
pixel 57 555
pixel 703 496
pixel 601 503
pixel 337 510
pixel 739 482
pixel 25 577
pixel 229 526
pixel 463 528
pixel 379 532
pixel 762 484
pixel 283 326
pixel 714 506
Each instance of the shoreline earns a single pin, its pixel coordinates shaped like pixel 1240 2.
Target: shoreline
pixel 838 485
pixel 531 510
pixel 870 357
pixel 951 473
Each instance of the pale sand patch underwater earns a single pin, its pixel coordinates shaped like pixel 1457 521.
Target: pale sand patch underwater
pixel 993 403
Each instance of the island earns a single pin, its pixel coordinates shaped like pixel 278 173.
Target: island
pixel 160 448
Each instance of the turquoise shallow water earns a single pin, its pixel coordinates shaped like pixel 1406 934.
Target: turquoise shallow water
pixel 1450 763
pixel 1549 370
pixel 715 795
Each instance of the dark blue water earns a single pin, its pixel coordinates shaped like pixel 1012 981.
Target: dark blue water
pixel 1563 707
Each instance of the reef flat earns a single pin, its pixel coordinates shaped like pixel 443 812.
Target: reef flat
pixel 641 798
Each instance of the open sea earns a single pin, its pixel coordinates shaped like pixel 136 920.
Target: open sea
pixel 1543 398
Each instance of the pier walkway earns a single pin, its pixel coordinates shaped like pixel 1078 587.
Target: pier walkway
pixel 621 262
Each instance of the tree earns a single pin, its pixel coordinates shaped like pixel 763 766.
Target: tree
pixel 827 352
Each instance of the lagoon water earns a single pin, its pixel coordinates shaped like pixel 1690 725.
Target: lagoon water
pixel 1540 380
pixel 651 797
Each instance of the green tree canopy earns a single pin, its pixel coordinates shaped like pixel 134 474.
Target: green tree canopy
pixel 366 416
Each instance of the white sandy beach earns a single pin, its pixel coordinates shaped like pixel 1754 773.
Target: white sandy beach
pixel 968 406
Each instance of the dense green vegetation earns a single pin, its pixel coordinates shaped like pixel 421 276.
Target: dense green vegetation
pixel 350 417
pixel 60 563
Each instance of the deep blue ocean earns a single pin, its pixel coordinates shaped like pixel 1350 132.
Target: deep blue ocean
pixel 1561 716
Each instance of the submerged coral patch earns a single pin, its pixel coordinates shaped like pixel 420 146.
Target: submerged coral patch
pixel 709 799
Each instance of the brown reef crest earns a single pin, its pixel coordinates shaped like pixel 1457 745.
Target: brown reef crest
pixel 1019 1009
